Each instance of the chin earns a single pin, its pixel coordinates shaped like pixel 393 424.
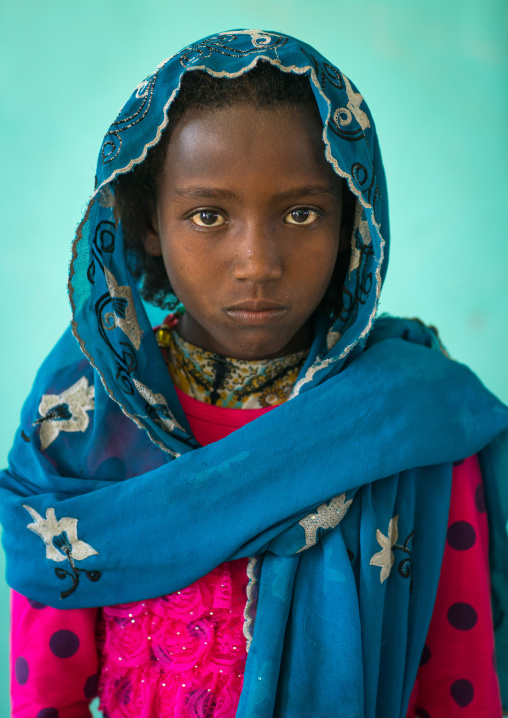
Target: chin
pixel 256 350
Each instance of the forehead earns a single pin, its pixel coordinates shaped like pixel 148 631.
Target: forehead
pixel 243 140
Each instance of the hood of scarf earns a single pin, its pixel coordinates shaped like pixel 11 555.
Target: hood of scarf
pixel 109 319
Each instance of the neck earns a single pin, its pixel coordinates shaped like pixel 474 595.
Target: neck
pixel 227 381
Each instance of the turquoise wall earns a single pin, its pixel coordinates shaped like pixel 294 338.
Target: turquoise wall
pixel 433 73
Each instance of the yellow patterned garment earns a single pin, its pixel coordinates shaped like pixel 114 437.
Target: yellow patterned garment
pixel 227 382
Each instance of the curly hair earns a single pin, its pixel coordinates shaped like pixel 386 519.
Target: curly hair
pixel 136 192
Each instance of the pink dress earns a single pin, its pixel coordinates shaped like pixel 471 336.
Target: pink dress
pixel 183 654
pixel 457 676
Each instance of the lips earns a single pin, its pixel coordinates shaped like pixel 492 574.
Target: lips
pixel 256 305
pixel 256 312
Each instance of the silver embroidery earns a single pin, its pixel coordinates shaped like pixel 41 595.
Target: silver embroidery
pixel 355 100
pixel 260 38
pixel 157 400
pixel 328 516
pixel 363 227
pixel 65 412
pixel 49 529
pixel 385 558
pixel 126 319
pixel 251 599
pixel 143 87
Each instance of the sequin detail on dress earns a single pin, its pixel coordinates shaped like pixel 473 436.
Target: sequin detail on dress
pixel 177 656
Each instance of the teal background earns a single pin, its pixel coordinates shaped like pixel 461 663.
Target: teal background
pixel 434 75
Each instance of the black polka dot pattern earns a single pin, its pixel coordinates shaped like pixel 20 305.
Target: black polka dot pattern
pixel 480 499
pixel 425 655
pixel 47 713
pixel 461 535
pixel 21 670
pixel 462 692
pixel 461 603
pixel 64 644
pixel 462 616
pixel 36 604
pixel 91 685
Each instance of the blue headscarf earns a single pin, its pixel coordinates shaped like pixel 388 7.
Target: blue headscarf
pixel 341 495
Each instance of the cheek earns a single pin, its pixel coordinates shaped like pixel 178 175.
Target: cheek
pixel 195 274
pixel 181 261
pixel 317 264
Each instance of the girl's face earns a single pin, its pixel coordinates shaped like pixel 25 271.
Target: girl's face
pixel 248 222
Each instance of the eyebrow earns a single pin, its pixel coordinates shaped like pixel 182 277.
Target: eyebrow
pixel 217 193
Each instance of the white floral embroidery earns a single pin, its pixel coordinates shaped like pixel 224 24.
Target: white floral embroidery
pixel 343 115
pixel 260 38
pixel 385 558
pixel 124 315
pixel 158 402
pixel 363 227
pixel 49 529
pixel 355 100
pixel 328 516
pixel 66 411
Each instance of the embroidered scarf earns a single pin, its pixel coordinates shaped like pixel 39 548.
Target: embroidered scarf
pixel 342 491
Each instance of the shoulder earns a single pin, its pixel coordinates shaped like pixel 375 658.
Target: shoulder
pixel 414 331
pixel 65 361
pixel 62 394
pixel 71 426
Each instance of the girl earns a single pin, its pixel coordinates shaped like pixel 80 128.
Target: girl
pixel 257 492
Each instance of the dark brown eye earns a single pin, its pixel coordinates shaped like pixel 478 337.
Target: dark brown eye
pixel 207 218
pixel 302 215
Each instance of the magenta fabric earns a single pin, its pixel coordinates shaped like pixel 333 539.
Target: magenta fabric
pixel 457 677
pixel 180 655
pixel 55 653
pixel 210 423
pixel 54 666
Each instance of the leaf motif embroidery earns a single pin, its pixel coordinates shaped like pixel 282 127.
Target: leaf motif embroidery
pixel 62 544
pixel 157 407
pixel 327 516
pixel 355 99
pixel 385 558
pixel 65 412
pixel 124 313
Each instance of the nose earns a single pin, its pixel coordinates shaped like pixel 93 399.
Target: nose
pixel 257 255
